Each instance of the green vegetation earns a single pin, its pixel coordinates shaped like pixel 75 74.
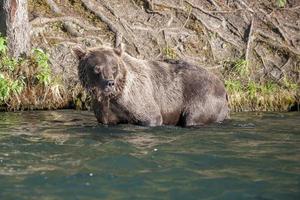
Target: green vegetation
pixel 9 85
pixel 3 46
pixel 281 3
pixel 27 83
pixel 43 70
pixel 169 53
pixel 241 67
pixel 248 94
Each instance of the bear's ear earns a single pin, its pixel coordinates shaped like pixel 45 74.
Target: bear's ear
pixel 79 51
pixel 119 50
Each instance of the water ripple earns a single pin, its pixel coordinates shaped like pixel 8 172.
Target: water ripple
pixel 67 155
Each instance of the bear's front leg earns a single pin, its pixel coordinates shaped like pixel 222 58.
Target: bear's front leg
pixel 148 115
pixel 141 109
pixel 151 120
pixel 103 113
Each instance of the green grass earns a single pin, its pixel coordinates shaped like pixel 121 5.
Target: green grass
pixel 233 85
pixel 241 67
pixel 249 94
pixel 261 97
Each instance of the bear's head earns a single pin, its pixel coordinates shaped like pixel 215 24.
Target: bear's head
pixel 101 70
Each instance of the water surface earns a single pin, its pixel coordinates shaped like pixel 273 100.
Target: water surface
pixel 67 155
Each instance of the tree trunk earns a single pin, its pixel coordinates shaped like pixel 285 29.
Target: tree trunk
pixel 2 19
pixel 18 27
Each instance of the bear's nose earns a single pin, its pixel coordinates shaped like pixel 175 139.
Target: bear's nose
pixel 110 83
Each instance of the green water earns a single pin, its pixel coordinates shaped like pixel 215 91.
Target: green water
pixel 67 155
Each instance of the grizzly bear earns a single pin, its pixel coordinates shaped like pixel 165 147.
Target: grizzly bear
pixel 150 93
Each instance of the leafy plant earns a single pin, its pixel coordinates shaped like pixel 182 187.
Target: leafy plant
pixel 8 63
pixel 32 73
pixel 169 53
pixel 281 3
pixel 3 46
pixel 18 85
pixel 4 88
pixel 10 82
pixel 43 70
pixel 9 87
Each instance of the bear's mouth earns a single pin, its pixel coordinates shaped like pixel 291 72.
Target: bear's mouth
pixel 98 93
pixel 108 91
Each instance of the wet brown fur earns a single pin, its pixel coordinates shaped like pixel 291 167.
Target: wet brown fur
pixel 151 93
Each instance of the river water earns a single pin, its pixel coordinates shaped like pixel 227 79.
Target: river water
pixel 67 155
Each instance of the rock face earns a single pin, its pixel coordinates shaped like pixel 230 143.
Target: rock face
pixel 151 93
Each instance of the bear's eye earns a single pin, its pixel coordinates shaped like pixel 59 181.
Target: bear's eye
pixel 97 69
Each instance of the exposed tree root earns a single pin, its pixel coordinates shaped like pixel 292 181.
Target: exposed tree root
pixel 90 5
pixel 249 42
pixel 66 24
pixel 217 25
pixel 272 40
pixel 43 20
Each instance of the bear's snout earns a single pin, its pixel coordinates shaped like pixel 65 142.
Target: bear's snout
pixel 109 86
pixel 110 83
